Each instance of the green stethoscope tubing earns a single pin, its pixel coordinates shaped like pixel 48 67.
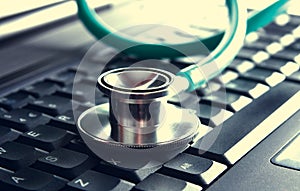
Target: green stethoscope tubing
pixel 222 44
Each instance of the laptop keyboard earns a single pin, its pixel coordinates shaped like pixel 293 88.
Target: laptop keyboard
pixel 40 148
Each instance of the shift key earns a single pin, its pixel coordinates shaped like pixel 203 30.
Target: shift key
pixel 233 139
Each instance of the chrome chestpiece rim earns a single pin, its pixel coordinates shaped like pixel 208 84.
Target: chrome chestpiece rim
pixel 138 127
pixel 137 97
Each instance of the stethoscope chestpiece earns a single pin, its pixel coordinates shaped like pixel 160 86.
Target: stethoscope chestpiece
pixel 137 128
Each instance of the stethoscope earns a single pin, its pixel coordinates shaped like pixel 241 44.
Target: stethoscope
pixel 138 128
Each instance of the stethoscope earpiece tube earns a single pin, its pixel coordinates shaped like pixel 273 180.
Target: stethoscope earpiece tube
pixel 261 18
pixel 230 44
pixel 232 41
pixel 145 50
pixel 224 45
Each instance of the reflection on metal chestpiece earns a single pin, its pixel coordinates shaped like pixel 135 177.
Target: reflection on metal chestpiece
pixel 138 127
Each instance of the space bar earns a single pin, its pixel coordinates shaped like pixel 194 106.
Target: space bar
pixel 238 135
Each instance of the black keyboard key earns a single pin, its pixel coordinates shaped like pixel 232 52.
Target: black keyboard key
pixel 68 93
pixel 65 78
pixel 185 99
pixel 241 66
pixel 65 163
pixel 283 66
pixel 16 155
pixel 2 111
pixel 226 77
pixel 246 53
pixel 295 77
pixel 264 76
pixel 30 179
pixel 287 40
pixel 40 89
pixel 46 137
pixel 159 182
pixel 257 45
pixel 4 131
pixel 208 88
pixel 52 105
pixel 294 20
pixel 134 176
pixel 84 92
pixel 258 36
pixel 78 145
pixel 6 134
pixel 65 121
pixel 275 29
pixel 212 116
pixel 23 119
pixel 15 100
pixel 247 88
pixel 230 101
pixel 230 141
pixel 295 45
pixel 288 55
pixel 256 56
pixel 193 169
pixel 268 37
pixel 95 181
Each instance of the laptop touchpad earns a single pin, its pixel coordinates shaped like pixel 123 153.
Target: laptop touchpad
pixel 289 155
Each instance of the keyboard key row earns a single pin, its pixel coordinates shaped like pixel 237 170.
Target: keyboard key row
pixel 40 89
pixel 283 66
pixel 288 55
pixel 30 179
pixel 65 77
pixel 247 88
pixel 227 100
pixel 23 119
pixel 52 105
pixel 264 76
pixel 83 92
pixel 241 66
pixel 227 143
